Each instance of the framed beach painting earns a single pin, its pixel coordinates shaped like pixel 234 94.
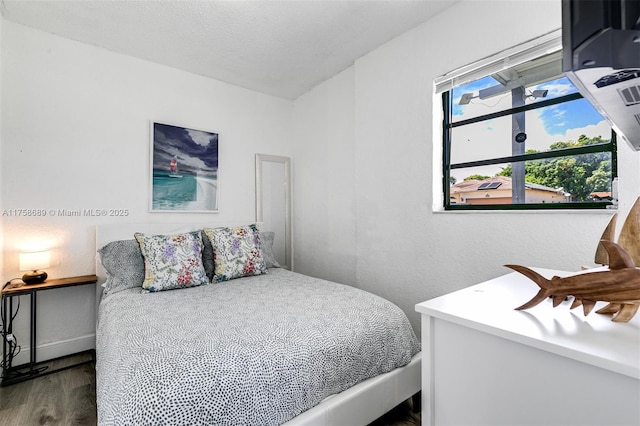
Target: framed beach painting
pixel 184 169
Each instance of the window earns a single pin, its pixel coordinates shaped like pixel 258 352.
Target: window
pixel 518 135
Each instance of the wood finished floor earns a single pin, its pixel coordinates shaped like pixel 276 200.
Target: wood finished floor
pixel 68 398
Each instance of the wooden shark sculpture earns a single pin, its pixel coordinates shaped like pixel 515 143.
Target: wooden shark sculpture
pixel 601 257
pixel 620 286
pixel 628 238
pixel 630 233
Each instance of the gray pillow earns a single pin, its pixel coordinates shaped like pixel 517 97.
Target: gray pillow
pixel 124 265
pixel 266 238
pixel 207 256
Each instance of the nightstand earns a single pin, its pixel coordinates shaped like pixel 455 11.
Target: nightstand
pixel 28 371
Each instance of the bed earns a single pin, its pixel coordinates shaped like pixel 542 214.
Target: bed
pixel 274 347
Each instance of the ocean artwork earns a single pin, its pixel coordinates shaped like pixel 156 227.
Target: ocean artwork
pixel 184 169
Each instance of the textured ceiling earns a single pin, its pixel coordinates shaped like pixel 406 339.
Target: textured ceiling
pixel 282 48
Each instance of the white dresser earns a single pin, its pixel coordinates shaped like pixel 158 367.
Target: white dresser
pixel 485 363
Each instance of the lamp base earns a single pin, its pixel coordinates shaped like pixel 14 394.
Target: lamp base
pixel 34 277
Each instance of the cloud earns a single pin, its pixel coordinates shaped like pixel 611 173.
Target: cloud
pixel 492 139
pixel 199 137
pixel 557 89
pixel 544 127
pixel 196 151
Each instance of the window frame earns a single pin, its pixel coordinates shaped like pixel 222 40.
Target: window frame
pixel 447 83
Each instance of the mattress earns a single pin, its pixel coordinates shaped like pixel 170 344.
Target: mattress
pixel 257 350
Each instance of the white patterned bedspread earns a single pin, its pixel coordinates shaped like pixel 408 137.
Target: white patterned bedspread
pixel 250 351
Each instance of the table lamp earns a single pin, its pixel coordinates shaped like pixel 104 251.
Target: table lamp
pixel 33 261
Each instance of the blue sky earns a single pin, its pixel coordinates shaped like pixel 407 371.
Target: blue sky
pixel 492 138
pixel 556 119
pixel 575 115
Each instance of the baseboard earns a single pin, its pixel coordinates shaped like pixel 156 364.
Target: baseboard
pixel 57 349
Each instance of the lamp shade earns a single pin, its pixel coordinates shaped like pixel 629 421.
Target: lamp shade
pixel 34 260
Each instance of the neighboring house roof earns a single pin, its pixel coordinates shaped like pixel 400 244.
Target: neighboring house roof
pixel 498 182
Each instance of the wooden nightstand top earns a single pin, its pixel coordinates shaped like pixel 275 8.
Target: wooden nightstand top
pixel 21 288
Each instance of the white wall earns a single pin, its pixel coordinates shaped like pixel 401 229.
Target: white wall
pixel 74 125
pixel 324 211
pixel 75 134
pixel 629 173
pixel 2 279
pixel 406 252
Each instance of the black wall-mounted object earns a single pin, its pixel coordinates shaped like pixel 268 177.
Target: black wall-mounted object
pixel 601 57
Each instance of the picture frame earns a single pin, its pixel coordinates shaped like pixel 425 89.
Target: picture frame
pixel 183 169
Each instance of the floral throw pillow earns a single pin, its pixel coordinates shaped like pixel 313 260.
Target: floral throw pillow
pixel 172 261
pixel 237 252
